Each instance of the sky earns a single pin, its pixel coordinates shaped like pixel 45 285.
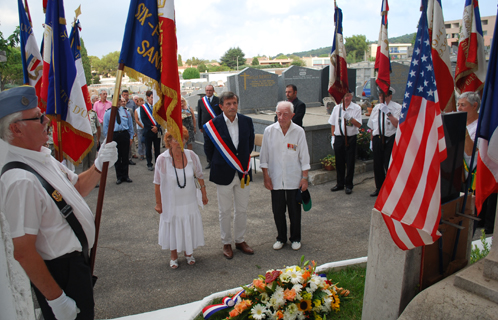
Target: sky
pixel 206 29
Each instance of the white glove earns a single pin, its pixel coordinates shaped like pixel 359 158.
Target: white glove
pixel 371 146
pixel 64 308
pixel 108 153
pixel 332 142
pixel 384 108
pixel 347 116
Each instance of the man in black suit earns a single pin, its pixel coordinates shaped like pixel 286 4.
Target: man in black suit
pixel 209 101
pixel 231 135
pixel 150 130
pixel 299 106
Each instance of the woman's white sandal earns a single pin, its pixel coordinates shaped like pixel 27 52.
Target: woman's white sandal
pixel 173 264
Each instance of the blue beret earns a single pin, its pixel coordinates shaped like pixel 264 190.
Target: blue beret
pixel 17 99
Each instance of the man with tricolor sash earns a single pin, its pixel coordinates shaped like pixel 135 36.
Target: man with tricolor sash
pixel 207 108
pixel 228 148
pixel 150 130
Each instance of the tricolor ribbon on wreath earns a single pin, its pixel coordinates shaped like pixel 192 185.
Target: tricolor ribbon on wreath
pixel 227 154
pixel 207 104
pixel 227 302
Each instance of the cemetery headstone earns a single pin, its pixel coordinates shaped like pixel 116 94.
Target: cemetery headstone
pixel 306 80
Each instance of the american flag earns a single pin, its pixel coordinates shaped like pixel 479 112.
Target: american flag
pixel 382 62
pixel 410 198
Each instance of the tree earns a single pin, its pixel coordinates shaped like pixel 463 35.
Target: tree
pixel 298 62
pixel 86 63
pixel 193 61
pixel 231 57
pixel 356 46
pixel 108 65
pixel 282 56
pixel 202 67
pixel 11 70
pixel 191 73
pixel 323 55
pixel 255 61
pixel 180 62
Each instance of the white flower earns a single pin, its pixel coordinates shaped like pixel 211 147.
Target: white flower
pixel 292 308
pixel 258 312
pixel 300 315
pixel 265 298
pixel 295 276
pixel 284 277
pixel 297 288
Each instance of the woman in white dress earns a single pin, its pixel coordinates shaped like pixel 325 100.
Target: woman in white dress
pixel 178 199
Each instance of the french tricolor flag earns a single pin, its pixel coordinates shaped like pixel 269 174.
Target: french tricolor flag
pixel 338 77
pixel 487 132
pixel 470 71
pixel 74 40
pixel 382 63
pixel 32 64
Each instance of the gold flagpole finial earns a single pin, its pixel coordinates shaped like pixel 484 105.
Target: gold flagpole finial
pixel 77 12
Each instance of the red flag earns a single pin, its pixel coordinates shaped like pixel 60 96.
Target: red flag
pixel 169 113
pixel 382 63
pixel 470 70
pixel 487 162
pixel 410 198
pixel 338 76
pixel 441 56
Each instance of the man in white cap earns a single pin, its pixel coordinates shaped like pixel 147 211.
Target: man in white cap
pixel 47 242
pixel 384 123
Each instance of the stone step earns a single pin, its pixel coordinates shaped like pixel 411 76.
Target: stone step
pixel 321 176
pixel 474 281
pixel 491 265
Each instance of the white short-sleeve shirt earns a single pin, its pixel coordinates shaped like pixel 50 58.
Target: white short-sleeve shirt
pixel 336 119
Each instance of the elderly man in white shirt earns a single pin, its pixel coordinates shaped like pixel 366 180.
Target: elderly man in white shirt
pixel 345 121
pixel 384 123
pixel 53 254
pixel 285 162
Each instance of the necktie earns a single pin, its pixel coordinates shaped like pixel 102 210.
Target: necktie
pixel 118 117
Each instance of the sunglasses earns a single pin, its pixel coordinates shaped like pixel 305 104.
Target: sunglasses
pixel 40 118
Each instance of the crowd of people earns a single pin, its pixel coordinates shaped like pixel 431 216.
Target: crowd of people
pixel 54 252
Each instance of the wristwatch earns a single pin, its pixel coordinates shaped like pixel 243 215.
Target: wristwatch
pixel 389 114
pixel 305 178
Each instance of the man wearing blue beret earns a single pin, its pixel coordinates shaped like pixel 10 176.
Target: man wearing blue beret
pixel 45 243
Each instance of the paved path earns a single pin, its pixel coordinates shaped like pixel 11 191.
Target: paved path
pixel 134 274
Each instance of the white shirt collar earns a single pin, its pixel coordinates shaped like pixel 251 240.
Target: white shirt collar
pixel 43 156
pixel 236 120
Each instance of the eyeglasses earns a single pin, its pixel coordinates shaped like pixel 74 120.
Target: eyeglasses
pixel 41 118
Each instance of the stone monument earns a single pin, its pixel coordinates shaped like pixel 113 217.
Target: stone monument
pixel 257 90
pixel 306 80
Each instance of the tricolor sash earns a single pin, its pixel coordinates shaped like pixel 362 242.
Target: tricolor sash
pixel 205 100
pixel 227 302
pixel 227 154
pixel 148 112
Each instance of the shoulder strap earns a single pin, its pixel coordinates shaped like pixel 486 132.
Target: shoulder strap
pixel 65 209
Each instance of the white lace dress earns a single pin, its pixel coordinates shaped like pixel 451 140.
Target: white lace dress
pixel 180 225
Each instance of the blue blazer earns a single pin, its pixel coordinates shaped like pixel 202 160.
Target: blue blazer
pixel 221 172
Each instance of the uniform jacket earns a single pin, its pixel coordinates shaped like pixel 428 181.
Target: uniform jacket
pixel 203 114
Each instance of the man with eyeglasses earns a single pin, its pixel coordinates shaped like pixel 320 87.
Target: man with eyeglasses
pixel 45 244
pixel 208 107
pixel 123 135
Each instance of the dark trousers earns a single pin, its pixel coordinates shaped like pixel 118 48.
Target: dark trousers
pixel 149 141
pixel 381 157
pixel 345 157
pixel 206 138
pixel 75 278
pixel 122 138
pixel 280 200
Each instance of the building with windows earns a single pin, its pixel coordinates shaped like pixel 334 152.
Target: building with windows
pixel 453 28
pixel 397 51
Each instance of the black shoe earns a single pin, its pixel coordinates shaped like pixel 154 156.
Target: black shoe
pixel 131 162
pixel 336 188
pixel 348 191
pixel 97 185
pixel 150 168
pixel 208 166
pixel 128 180
pixel 375 193
pixel 118 181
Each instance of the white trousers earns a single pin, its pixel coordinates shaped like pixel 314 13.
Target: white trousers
pixel 228 195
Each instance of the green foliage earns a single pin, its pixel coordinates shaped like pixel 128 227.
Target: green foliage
pixel 202 67
pixel 194 61
pixel 231 57
pixel 107 66
pixel 255 62
pixel 96 79
pixel 212 68
pixel 324 55
pixel 298 62
pixel 356 45
pixel 407 38
pixel 191 73
pixel 180 62
pixel 476 254
pixel 281 56
pixel 86 63
pixel 328 160
pixel 11 70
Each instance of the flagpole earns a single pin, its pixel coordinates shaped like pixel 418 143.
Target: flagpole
pixel 105 167
pixel 59 137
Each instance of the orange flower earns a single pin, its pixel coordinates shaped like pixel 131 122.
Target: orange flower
pixel 260 284
pixel 280 315
pixel 290 294
pixel 306 275
pixel 234 313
